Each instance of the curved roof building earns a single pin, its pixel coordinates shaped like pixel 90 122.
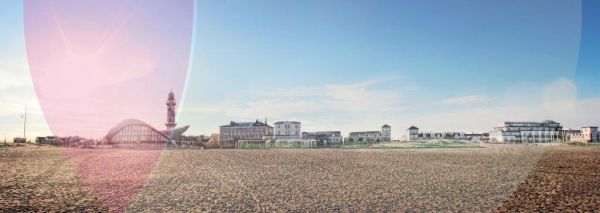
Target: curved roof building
pixel 132 131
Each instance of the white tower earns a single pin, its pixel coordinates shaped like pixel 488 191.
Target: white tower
pixel 386 132
pixel 171 111
pixel 413 133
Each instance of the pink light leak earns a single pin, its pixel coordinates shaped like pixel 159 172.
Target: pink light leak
pixel 115 176
pixel 95 63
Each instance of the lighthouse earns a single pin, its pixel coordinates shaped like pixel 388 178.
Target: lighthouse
pixel 171 111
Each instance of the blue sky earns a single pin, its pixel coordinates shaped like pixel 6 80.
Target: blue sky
pixel 355 65
pixel 588 69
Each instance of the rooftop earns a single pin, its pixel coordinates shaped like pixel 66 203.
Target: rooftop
pixel 365 132
pixel 531 122
pixel 280 122
pixel 323 132
pixel 245 124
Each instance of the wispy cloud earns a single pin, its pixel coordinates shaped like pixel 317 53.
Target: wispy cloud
pixel 292 92
pixel 366 105
pixel 285 102
pixel 464 100
pixel 583 112
pixel 559 96
pixel 13 73
pixel 360 97
pixel 16 91
pixel 555 100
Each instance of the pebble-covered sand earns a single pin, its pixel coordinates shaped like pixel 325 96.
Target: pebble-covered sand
pixel 115 176
pixel 495 178
pixel 41 180
pixel 369 180
pixel 565 179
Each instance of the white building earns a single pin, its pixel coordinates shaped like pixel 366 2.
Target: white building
pixel 372 136
pixel 526 132
pixel 287 130
pixel 412 133
pixel 588 134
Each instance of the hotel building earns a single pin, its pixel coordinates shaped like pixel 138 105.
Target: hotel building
pixel 233 132
pixel 525 132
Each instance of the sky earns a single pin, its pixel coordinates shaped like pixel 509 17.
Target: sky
pixel 356 65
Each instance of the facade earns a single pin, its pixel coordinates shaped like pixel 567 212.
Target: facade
pixel 287 130
pixel 587 135
pixel 324 138
pixel 412 133
pixel 372 136
pixel 568 135
pixel 368 136
pixel 442 135
pixel 525 132
pixel 247 131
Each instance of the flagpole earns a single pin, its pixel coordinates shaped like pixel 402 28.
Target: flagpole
pixel 25 124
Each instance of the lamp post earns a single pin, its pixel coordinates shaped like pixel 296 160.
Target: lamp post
pixel 24 116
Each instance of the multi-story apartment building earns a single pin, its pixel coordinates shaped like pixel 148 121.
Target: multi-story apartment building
pixel 527 132
pixel 229 134
pixel 324 138
pixel 288 130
